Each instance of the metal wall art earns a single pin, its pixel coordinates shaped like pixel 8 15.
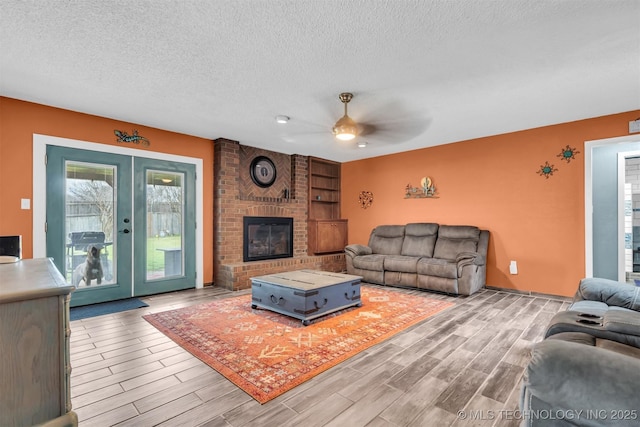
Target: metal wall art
pixel 546 170
pixel 365 199
pixel 568 153
pixel 133 138
pixel 426 190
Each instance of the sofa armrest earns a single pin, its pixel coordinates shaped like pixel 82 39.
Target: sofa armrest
pixel 356 250
pixel 575 377
pixel 610 292
pixel 622 321
pixel 469 258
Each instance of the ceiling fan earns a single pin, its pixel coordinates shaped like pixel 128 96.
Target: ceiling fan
pixel 345 128
pixel 392 124
pixel 387 121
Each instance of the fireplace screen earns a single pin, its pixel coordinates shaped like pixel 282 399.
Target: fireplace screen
pixel 267 238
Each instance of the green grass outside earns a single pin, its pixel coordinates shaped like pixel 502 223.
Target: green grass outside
pixel 155 258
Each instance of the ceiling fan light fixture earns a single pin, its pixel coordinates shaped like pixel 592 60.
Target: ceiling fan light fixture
pixel 345 129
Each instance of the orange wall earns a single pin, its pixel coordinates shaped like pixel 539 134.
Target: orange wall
pixel 493 183
pixel 19 120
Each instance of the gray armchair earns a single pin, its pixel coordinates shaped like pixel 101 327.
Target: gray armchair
pixel 604 308
pixel 576 379
pixel 587 370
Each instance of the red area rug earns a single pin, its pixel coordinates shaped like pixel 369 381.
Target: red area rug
pixel 267 354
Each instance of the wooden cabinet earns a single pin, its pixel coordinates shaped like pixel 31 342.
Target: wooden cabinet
pixel 34 344
pixel 327 235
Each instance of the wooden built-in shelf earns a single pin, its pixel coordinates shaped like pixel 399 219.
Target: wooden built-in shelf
pixel 327 232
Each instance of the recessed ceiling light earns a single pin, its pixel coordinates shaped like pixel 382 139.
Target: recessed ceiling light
pixel 282 119
pixel 362 144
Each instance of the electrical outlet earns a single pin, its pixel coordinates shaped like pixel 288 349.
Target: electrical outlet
pixel 513 267
pixel 634 126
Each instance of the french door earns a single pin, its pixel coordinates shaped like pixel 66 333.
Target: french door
pixel 120 226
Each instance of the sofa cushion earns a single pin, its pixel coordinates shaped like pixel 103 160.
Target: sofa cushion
pixel 419 239
pixel 402 263
pixel 454 239
pixel 622 320
pixel 437 267
pixel 369 262
pixel 387 239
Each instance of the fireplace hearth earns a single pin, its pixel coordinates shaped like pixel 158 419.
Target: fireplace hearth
pixel 267 238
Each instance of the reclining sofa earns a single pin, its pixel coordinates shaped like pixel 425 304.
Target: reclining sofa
pixel 586 372
pixel 444 258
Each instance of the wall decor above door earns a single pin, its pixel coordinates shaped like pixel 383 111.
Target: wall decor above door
pixel 133 138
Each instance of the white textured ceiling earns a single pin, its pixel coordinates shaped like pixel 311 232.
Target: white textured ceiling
pixel 423 72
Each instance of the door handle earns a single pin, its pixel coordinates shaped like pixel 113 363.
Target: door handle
pixel 126 230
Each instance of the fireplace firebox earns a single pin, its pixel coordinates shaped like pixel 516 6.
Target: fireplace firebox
pixel 267 238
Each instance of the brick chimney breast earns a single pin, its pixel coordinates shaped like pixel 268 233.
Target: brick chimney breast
pixel 237 196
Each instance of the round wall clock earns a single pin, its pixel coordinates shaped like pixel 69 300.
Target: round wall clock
pixel 263 171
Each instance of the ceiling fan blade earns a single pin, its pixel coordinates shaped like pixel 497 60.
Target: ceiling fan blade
pixel 394 131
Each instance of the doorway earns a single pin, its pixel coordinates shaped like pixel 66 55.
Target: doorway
pixel 630 221
pixel 119 226
pixel 605 239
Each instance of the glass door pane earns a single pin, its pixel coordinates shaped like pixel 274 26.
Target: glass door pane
pixel 89 222
pixel 164 240
pixel 90 203
pixel 165 222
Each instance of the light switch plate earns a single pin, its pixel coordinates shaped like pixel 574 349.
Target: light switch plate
pixel 25 204
pixel 634 126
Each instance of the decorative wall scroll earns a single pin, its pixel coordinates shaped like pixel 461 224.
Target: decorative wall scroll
pixel 365 199
pixel 133 138
pixel 426 190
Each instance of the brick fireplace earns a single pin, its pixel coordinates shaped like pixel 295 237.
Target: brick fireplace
pixel 236 197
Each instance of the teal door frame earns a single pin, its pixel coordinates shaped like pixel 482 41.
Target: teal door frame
pixel 158 161
pixel 38 205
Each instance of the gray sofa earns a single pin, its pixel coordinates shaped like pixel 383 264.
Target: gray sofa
pixel 586 372
pixel 445 258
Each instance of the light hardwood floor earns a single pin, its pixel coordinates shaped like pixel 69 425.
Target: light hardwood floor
pixel 468 358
